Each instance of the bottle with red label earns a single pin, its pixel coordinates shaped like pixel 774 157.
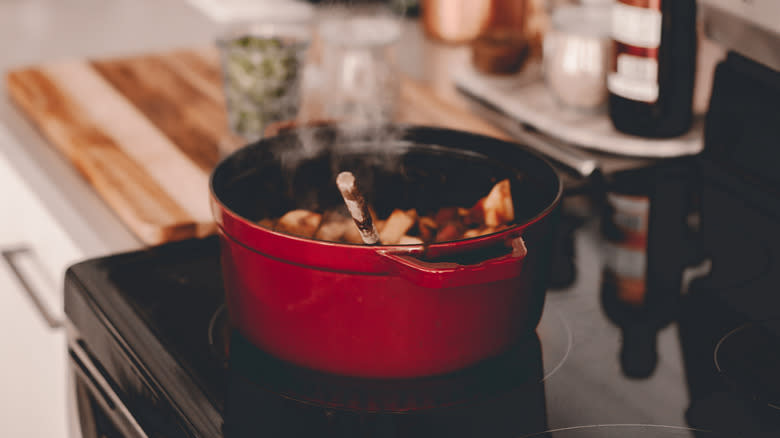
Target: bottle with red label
pixel 652 76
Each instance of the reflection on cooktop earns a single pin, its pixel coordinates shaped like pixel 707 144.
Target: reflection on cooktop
pixel 748 357
pixel 625 430
pixel 553 331
pixel 557 340
pixel 503 395
pixel 732 366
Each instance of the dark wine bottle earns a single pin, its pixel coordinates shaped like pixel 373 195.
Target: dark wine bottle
pixel 652 77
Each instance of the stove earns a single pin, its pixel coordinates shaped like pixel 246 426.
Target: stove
pixel 613 356
pixel 155 356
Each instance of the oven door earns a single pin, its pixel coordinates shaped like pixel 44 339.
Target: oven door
pixel 101 412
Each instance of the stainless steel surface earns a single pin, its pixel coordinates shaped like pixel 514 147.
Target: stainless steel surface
pixel 751 28
pixel 27 270
pixel 578 161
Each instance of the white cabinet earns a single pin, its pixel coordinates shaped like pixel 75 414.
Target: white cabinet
pixel 36 395
pixel 42 247
pixel 33 372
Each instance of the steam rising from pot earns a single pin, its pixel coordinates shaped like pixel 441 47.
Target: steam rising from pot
pixel 351 79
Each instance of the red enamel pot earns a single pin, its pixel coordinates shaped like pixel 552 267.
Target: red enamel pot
pixel 382 311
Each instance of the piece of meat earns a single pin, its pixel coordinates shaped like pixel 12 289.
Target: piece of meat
pixel 428 228
pixel 396 226
pixel 451 231
pixel 445 215
pixel 299 222
pixel 476 213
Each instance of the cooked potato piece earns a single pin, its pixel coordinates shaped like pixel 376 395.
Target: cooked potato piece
pixel 353 234
pixel 496 208
pixel 299 222
pixel 410 240
pixel 395 227
pixel 498 205
pixel 334 226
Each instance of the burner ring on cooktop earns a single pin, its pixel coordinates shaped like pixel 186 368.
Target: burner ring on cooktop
pixel 624 430
pixel 555 348
pixel 530 363
pixel 748 357
pixel 219 334
pixel 554 353
pixel 518 370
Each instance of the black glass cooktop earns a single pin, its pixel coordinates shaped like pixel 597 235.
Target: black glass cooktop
pixel 154 324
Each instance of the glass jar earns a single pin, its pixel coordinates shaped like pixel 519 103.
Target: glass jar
pixel 262 65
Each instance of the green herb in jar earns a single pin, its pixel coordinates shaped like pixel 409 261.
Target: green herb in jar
pixel 261 80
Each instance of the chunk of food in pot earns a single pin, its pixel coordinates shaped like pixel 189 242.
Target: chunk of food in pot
pixel 445 215
pixel 396 226
pixel 490 214
pixel 410 240
pixel 427 228
pixel 353 234
pixel 451 231
pixel 334 227
pixel 496 208
pixel 299 222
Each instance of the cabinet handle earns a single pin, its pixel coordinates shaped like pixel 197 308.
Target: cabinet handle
pixel 31 275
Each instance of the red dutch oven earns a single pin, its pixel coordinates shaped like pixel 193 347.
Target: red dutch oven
pixel 382 311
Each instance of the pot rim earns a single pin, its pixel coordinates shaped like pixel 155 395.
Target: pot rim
pixel 496 235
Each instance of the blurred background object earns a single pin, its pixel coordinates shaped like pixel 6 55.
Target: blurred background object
pixel 262 64
pixel 577 55
pixel 652 78
pixel 462 21
pixel 455 21
pixel 227 11
pixel 359 76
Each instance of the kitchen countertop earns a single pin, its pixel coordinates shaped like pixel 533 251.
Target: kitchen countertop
pixel 39 31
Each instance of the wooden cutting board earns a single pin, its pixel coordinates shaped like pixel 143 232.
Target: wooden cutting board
pixel 144 131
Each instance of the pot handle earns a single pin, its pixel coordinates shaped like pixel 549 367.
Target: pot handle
pixel 436 275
